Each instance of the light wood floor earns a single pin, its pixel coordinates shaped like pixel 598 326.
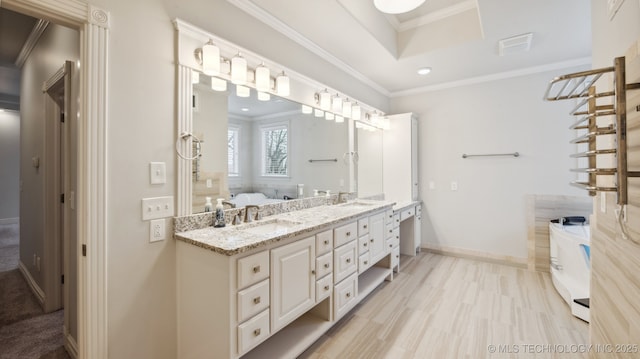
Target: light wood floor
pixel 445 307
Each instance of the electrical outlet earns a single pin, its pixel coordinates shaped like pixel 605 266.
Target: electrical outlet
pixel 157 230
pixel 454 186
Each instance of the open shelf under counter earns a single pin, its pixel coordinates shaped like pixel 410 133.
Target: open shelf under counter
pixel 371 279
pixel 292 340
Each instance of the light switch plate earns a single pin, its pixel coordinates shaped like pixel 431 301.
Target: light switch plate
pixel 158 172
pixel 454 186
pixel 157 207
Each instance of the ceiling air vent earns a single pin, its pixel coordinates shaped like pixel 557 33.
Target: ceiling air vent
pixel 515 44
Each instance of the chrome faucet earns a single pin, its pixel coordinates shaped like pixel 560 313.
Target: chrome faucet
pixel 247 217
pixel 343 197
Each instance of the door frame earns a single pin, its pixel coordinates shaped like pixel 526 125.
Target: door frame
pixel 93 25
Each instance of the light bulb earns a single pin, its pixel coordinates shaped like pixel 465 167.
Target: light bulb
pixel 283 87
pixel 307 109
pixel 263 79
pixel 210 59
pixel 218 84
pixel 356 112
pixel 325 100
pixel 243 91
pixel 239 70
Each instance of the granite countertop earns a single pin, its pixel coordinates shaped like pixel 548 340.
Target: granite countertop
pixel 400 206
pixel 232 240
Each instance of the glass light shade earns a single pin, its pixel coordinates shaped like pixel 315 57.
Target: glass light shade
pixel 263 79
pixel 319 113
pixel 329 116
pixel 195 77
pixel 397 6
pixel 346 109
pixel 337 104
pixel 283 87
pixel 307 109
pixel 356 112
pixel 239 70
pixel 263 96
pixel 210 59
pixel 339 119
pixel 218 84
pixel 325 100
pixel 243 91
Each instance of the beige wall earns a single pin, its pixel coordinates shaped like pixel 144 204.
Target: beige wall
pixel 615 287
pixel 500 116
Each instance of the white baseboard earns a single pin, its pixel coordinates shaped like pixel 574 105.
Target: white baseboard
pixel 70 343
pixel 14 220
pixel 476 255
pixel 39 293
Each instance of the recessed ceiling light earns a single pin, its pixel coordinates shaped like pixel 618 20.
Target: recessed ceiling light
pixel 244 109
pixel 424 70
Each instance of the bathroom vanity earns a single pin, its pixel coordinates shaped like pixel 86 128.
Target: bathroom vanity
pixel 270 288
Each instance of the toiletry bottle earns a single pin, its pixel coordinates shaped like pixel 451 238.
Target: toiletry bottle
pixel 219 218
pixel 208 206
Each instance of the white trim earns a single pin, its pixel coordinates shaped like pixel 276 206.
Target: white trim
pixel 270 20
pixel 70 343
pixel 14 220
pixel 494 77
pixel 185 124
pixel 93 25
pixel 35 288
pixel 475 255
pixel 32 40
pixel 437 15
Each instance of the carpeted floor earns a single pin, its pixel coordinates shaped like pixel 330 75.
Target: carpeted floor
pixel 25 331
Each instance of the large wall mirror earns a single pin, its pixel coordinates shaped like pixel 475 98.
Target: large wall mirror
pixel 255 151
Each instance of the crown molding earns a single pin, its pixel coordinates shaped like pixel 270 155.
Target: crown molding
pixel 437 15
pixel 270 20
pixel 495 77
pixel 32 40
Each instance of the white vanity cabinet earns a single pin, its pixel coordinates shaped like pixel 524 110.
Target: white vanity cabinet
pixel 276 300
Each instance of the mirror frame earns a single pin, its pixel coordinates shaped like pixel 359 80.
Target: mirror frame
pixel 303 89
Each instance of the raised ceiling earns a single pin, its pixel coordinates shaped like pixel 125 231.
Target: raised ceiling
pixel 457 38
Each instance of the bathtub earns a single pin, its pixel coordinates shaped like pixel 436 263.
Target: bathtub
pixel 571 264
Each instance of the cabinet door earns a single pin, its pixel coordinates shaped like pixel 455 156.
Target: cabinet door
pixel 293 281
pixel 417 229
pixel 377 238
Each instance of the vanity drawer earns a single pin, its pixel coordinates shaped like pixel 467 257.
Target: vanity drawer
pixel 253 332
pixel 388 230
pixel 345 261
pixel 418 210
pixel 344 296
pixel 363 244
pixel 324 242
pixel 323 288
pixel 395 256
pixel 392 242
pixel 396 220
pixel 407 213
pixel 253 269
pixel 344 234
pixel 324 265
pixel 364 262
pixel 388 216
pixel 363 226
pixel 253 300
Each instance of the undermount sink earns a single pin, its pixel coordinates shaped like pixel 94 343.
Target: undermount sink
pixel 272 226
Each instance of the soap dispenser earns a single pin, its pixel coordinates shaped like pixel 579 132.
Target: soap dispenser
pixel 208 206
pixel 219 218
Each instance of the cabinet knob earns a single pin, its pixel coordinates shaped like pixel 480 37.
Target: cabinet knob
pixel 313 271
pixel 326 287
pixel 398 237
pixel 256 332
pixel 348 234
pixel 364 244
pixel 326 242
pixel 348 260
pixel 366 262
pixel 371 240
pixel 256 269
pixel 397 256
pixel 256 300
pixel 391 231
pixel 327 265
pixel 365 226
pixel 391 246
pixel 348 294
